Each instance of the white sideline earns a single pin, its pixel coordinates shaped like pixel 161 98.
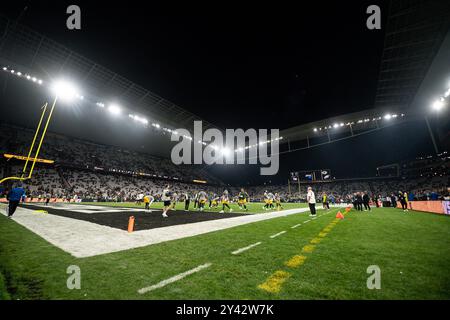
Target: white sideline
pixel 246 248
pixel 174 278
pixel 86 239
pixel 277 234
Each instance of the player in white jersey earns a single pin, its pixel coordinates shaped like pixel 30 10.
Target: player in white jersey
pixel 225 200
pixel 202 198
pixel 166 197
pixel 268 199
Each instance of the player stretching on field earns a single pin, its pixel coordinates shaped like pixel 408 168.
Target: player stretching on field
pixel 202 198
pixel 148 200
pixel 268 199
pixel 174 200
pixel 166 198
pixel 278 202
pixel 225 200
pixel 242 199
pixel 215 201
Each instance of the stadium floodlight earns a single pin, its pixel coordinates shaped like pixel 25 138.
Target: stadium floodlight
pixel 39 81
pixel 34 79
pixel 19 73
pixel 5 68
pixel 225 151
pixel 28 77
pixel 387 117
pixel 335 125
pixel 63 90
pixel 315 129
pixel 12 71
pixel 114 109
pixel 438 105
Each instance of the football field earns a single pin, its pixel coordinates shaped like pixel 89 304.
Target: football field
pixel 291 256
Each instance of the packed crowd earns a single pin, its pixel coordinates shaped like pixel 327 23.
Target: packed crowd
pixel 80 154
pixel 107 173
pixel 101 186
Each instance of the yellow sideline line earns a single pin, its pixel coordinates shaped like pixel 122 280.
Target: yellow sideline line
pixel 274 282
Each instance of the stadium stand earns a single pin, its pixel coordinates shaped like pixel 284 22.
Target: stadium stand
pixel 106 173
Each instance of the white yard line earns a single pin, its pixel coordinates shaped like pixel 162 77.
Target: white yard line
pixel 277 234
pixel 297 225
pixel 246 248
pixel 86 239
pixel 174 278
pixel 307 221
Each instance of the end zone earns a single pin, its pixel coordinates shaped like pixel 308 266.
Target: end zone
pixel 83 238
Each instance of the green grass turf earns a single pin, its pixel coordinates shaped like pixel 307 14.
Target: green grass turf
pixel 254 207
pixel 412 250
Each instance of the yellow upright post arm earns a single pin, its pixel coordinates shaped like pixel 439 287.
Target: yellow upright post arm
pixel 42 137
pixel 44 107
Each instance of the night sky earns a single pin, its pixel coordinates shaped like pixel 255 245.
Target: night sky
pixel 238 67
pixel 259 67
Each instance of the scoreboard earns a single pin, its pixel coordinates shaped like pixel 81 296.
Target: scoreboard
pixel 311 175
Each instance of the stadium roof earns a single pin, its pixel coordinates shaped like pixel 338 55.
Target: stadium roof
pixel 414 34
pixel 350 124
pixel 416 30
pixel 29 51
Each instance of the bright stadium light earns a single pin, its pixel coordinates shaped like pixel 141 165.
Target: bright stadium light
pixel 5 68
pixel 142 120
pixel 315 129
pixel 225 151
pixel 335 125
pixel 387 117
pixel 63 90
pixel 114 109
pixel 438 105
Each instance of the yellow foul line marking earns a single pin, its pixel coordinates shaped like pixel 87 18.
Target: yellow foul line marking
pixel 295 261
pixel 275 281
